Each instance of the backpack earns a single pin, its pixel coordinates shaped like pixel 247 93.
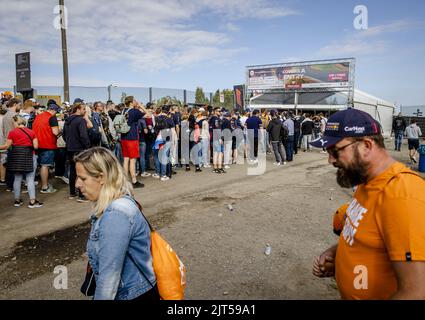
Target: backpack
pixel 170 272
pixel 121 123
pixel 95 136
pixel 197 131
pixel 160 124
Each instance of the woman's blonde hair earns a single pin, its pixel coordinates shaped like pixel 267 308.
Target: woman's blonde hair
pixel 99 162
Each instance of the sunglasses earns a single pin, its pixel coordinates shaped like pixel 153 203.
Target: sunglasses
pixel 334 152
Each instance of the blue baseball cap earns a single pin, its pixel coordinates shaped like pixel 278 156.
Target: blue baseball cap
pixel 345 124
pixel 55 107
pixel 78 100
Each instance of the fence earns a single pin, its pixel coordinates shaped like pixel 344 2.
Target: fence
pixel 114 93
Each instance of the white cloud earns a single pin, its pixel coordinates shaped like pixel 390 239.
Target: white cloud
pixel 146 35
pixel 365 42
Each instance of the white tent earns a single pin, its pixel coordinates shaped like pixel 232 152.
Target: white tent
pixel 379 109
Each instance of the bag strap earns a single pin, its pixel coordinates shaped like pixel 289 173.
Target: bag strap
pixel 137 266
pixel 128 253
pixel 26 134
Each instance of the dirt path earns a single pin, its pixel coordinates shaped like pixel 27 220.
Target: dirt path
pixel 288 207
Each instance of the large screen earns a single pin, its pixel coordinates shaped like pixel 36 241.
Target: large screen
pixel 299 76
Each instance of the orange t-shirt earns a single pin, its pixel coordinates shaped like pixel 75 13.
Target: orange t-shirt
pixel 384 222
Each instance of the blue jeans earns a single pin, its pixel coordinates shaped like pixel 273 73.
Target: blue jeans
pixel 398 139
pixel 30 176
pixel 149 146
pixel 118 152
pixel 289 148
pixel 162 157
pixel 142 159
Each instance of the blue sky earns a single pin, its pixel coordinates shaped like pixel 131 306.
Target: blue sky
pixel 208 43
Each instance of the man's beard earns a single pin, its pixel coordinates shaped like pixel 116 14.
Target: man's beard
pixel 352 174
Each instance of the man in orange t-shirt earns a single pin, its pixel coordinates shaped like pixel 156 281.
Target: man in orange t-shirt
pixel 381 250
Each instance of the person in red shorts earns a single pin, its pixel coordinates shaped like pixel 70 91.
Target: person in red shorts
pixel 130 140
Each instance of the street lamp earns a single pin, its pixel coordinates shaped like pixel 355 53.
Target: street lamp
pixel 109 91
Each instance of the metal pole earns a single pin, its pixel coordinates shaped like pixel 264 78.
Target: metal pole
pixel 64 52
pixel 150 94
pixel 109 92
pixel 296 102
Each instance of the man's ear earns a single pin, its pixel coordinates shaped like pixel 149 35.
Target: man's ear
pixel 368 145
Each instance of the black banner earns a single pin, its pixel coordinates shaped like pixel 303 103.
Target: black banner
pixel 23 71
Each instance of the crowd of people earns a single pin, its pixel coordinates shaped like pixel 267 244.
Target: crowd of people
pixel 148 140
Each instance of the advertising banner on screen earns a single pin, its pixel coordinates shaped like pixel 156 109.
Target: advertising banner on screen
pixel 23 71
pixel 302 76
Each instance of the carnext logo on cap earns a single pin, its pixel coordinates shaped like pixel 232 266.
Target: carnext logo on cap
pixel 357 130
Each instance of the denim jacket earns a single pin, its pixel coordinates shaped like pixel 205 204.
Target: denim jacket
pixel 119 230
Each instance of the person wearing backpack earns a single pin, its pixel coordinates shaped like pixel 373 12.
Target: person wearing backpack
pixel 119 244
pixel 130 140
pixel 381 250
pixel 161 147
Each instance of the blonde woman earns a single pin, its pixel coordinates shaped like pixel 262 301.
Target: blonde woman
pixel 119 242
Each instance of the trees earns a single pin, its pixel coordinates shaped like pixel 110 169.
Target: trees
pixel 200 96
pixel 228 99
pixel 168 101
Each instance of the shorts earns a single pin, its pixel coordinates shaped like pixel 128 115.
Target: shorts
pixel 3 157
pixel 217 146
pixel 130 149
pixel 46 157
pixel 413 144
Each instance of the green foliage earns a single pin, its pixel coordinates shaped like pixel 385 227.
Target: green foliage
pixel 200 96
pixel 228 99
pixel 168 101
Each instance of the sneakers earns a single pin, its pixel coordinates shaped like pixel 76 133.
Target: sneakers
pixel 35 204
pixel 222 170
pixel 165 178
pixel 18 203
pixel 187 168
pixel 207 166
pixel 50 189
pixel 323 151
pixel 198 170
pixel 226 167
pixel 64 179
pixel 276 164
pixel 145 174
pixel 72 197
pixel 2 183
pixel 412 159
pixel 82 199
pixel 138 185
pixel 216 171
pixel 156 176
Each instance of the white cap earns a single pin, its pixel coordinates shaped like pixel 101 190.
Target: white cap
pixel 201 109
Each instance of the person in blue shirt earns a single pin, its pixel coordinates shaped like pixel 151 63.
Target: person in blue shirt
pixel 215 123
pixel 254 123
pixel 119 244
pixel 130 140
